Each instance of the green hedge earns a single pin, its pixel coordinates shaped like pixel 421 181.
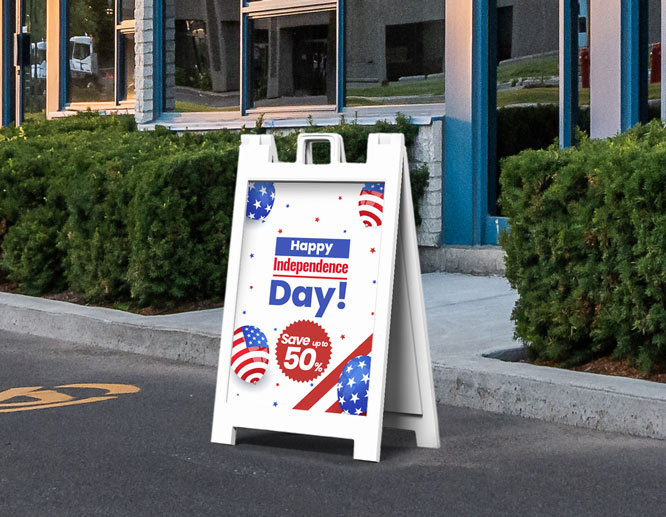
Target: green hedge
pixel 587 248
pixel 89 203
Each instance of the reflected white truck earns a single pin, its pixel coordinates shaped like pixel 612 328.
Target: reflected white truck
pixel 38 66
pixel 83 62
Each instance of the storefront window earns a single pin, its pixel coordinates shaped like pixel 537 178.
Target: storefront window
pixel 128 52
pixel 394 52
pixel 203 73
pixel 293 60
pixel 127 9
pixel 91 51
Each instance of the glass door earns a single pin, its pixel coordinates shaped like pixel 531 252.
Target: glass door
pixel 30 60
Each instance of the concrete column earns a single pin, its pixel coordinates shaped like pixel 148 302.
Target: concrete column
pixel 616 79
pixel 144 62
pixel 470 125
pixel 605 68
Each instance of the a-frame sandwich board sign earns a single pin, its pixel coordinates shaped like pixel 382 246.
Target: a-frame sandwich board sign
pixel 310 288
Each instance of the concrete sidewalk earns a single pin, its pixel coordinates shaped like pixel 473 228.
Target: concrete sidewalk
pixel 469 324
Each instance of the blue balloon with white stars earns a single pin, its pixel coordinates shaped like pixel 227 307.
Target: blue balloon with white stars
pixel 353 386
pixel 260 200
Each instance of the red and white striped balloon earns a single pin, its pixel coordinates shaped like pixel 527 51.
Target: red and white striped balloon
pixel 249 354
pixel 371 204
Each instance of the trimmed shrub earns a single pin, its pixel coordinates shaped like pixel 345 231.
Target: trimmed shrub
pixel 586 248
pixel 180 225
pixel 91 204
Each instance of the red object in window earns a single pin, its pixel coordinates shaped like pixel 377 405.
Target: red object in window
pixel 585 66
pixel 655 63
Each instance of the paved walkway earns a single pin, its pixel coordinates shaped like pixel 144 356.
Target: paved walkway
pixel 466 315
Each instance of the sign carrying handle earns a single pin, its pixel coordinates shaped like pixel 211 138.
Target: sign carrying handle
pixel 304 147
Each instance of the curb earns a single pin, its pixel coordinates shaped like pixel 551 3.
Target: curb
pixel 603 403
pixel 108 328
pixel 580 399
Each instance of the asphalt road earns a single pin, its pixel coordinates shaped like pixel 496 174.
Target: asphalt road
pixel 149 453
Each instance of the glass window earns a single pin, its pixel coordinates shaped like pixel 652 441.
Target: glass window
pixel 203 69
pixel 292 60
pixel 527 83
pixel 127 9
pixel 394 52
pixel 128 49
pixel 653 51
pixel 91 51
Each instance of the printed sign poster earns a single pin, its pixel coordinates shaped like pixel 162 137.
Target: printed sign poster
pixel 307 292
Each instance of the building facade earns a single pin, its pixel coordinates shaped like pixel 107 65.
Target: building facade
pixel 209 64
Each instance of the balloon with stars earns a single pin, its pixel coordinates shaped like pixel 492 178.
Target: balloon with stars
pixel 260 200
pixel 353 386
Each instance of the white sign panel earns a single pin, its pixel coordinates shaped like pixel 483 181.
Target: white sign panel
pixel 310 283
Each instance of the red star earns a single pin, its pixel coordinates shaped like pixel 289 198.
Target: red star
pixel 372 250
pixel 280 230
pixel 342 336
pixel 316 219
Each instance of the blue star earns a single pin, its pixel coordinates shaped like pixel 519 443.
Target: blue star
pixel 274 404
pixel 251 255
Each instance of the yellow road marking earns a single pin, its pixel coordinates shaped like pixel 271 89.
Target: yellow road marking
pixel 51 398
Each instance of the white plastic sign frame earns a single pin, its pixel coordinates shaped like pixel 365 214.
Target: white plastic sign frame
pixel 411 403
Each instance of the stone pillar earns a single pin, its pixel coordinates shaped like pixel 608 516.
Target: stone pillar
pixel 144 62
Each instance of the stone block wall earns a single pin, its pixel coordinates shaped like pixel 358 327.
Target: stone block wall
pixel 144 62
pixel 427 150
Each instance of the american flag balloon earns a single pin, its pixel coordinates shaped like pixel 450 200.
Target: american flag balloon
pixel 353 386
pixel 249 355
pixel 260 200
pixel 371 204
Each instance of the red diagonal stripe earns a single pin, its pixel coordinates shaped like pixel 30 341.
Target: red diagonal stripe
pixel 331 379
pixel 335 408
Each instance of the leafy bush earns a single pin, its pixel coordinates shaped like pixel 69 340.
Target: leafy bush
pixel 180 225
pixel 91 204
pixel 587 248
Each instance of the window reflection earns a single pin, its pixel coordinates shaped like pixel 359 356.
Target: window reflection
pixel 91 50
pixel 202 55
pixel 394 51
pixel 127 9
pixel 128 48
pixel 293 60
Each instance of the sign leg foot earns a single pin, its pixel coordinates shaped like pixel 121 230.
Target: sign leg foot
pixel 366 449
pixel 225 434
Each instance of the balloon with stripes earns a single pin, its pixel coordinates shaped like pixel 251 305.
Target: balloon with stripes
pixel 371 204
pixel 250 353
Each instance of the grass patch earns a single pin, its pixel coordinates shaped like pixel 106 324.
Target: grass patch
pixel 191 107
pixel 537 67
pixel 425 87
